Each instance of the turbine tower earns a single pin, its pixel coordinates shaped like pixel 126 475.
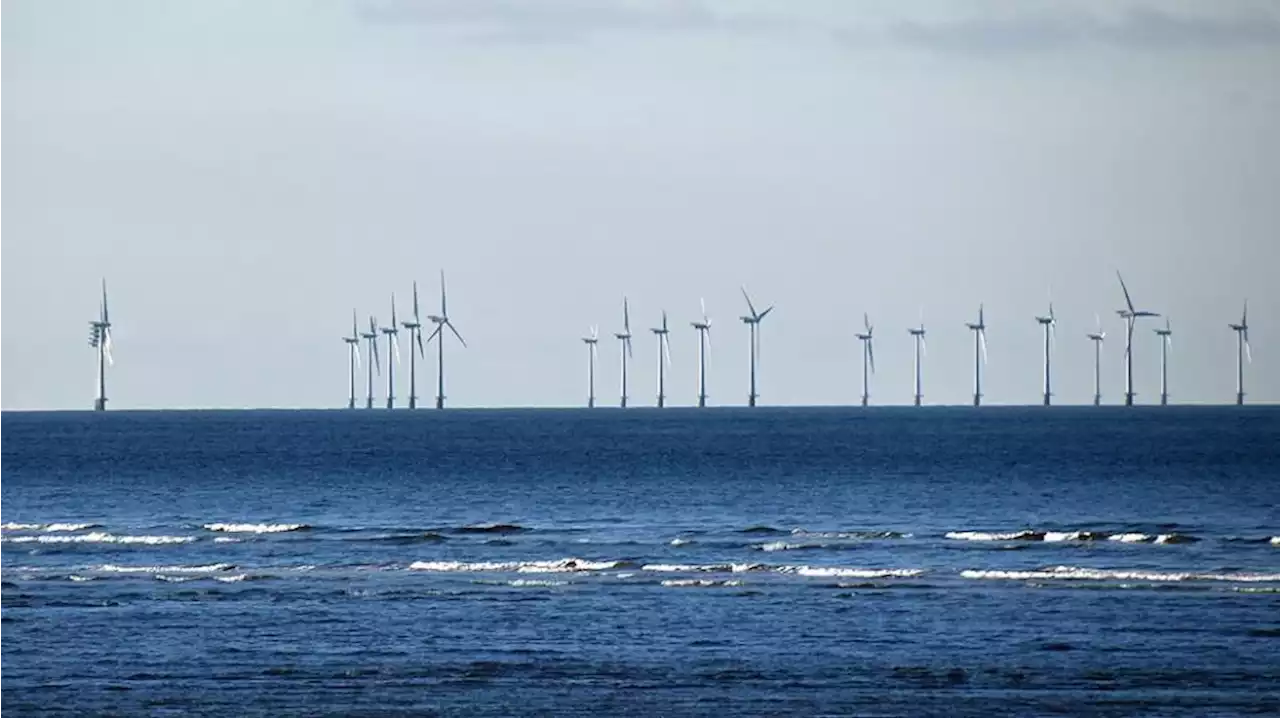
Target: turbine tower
pixel 918 333
pixel 100 339
pixel 353 359
pixel 1130 316
pixel 704 343
pixel 1242 350
pixel 868 356
pixel 664 359
pixel 371 336
pixel 1097 338
pixel 753 320
pixel 979 353
pixel 591 367
pixel 393 353
pixel 1049 323
pixel 1166 340
pixel 625 349
pixel 415 337
pixel 441 322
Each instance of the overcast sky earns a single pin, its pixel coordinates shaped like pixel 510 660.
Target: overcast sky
pixel 245 173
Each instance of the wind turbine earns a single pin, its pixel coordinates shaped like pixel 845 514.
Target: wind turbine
pixel 625 349
pixel 353 358
pixel 704 343
pixel 664 358
pixel 415 337
pixel 100 339
pixel 441 322
pixel 979 353
pixel 868 356
pixel 1130 316
pixel 393 352
pixel 591 366
pixel 1097 338
pixel 918 333
pixel 1242 350
pixel 1049 323
pixel 371 336
pixel 1166 340
pixel 753 320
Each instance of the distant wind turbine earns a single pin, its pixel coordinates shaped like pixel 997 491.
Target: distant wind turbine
pixel 441 322
pixel 753 320
pixel 415 338
pixel 1097 338
pixel 353 359
pixel 921 350
pixel 1050 324
pixel 979 353
pixel 1166 341
pixel 1242 350
pixel 371 336
pixel 704 344
pixel 100 339
pixel 664 358
pixel 591 366
pixel 625 348
pixel 393 353
pixel 868 356
pixel 1130 316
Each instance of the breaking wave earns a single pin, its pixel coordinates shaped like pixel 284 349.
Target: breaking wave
pixel 1069 536
pixel 99 537
pixel 256 528
pixel 564 565
pixel 837 572
pixel 785 546
pixel 12 526
pixel 699 583
pixel 207 568
pixel 850 534
pixel 1073 573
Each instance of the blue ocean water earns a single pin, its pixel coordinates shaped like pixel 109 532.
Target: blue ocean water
pixel 894 561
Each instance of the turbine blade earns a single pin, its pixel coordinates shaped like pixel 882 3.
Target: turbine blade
pixel 444 301
pixel 394 323
pixel 871 354
pixel 435 333
pixel 1127 300
pixel 1248 351
pixel 395 348
pixel 666 347
pixel 764 314
pixel 106 345
pixel 106 316
pixel 417 318
pixel 377 361
pixel 1244 318
pixel 703 302
pixel 982 338
pixel 626 317
pixel 924 347
pixel 664 322
pixel 356 347
pixel 627 341
pixel 355 330
pixel 422 351
pixel 866 322
pixel 750 306
pixel 455 333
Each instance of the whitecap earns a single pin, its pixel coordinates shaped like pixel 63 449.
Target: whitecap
pixel 1025 535
pixel 698 582
pixel 841 572
pixel 207 568
pixel 1131 537
pixel 255 528
pixel 13 526
pixel 532 582
pixel 232 579
pixel 702 568
pixel 564 565
pixel 1092 574
pixel 1275 540
pixel 80 579
pixel 681 541
pixel 100 537
pixel 227 539
pixel 70 527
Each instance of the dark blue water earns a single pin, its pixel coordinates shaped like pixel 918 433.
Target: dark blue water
pixel 776 561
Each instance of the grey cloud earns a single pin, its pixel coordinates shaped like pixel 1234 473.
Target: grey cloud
pixel 1143 28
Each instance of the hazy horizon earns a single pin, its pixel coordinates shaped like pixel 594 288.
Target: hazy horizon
pixel 243 176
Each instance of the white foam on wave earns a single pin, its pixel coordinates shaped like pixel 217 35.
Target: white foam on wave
pixel 1026 535
pixel 80 579
pixel 840 572
pixel 207 568
pixel 703 568
pixel 1275 540
pixel 1131 537
pixel 698 583
pixel 12 526
pixel 533 582
pixel 255 528
pixel 1073 573
pixel 227 539
pixel 236 578
pixel 100 537
pixel 785 546
pixel 681 541
pixel 564 565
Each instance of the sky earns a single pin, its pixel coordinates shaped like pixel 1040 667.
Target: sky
pixel 245 174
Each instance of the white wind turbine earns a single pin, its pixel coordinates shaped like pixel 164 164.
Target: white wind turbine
pixel 1049 323
pixel 979 353
pixel 625 349
pixel 100 339
pixel 591 342
pixel 1166 342
pixel 353 359
pixel 868 356
pixel 664 353
pixel 704 345
pixel 1242 351
pixel 921 350
pixel 393 349
pixel 1097 338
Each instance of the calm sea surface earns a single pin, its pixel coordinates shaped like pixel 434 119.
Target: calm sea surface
pixel 1000 561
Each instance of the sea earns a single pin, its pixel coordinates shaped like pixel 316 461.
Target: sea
pixel 771 561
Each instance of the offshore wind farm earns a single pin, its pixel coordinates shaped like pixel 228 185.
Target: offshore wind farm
pixel 864 357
